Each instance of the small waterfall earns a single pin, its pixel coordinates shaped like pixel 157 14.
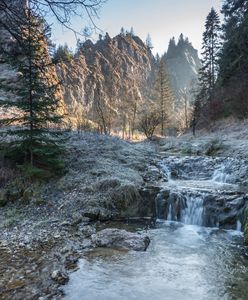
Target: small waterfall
pixel 238 225
pixel 182 206
pixel 166 171
pixel 221 175
pixel 193 212
pixel 195 189
pixel 169 217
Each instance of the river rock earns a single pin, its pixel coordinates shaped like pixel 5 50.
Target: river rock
pixel 120 239
pixel 87 230
pixel 60 277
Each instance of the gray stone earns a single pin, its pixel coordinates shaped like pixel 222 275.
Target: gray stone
pixel 120 239
pixel 87 230
pixel 60 277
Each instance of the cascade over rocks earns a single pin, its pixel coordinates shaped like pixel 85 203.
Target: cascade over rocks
pixel 204 191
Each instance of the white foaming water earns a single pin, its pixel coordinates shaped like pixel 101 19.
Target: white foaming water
pixel 166 171
pixel 238 226
pixel 169 217
pixel 220 175
pixel 192 214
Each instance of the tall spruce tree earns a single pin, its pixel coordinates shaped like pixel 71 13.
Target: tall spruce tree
pixel 208 73
pixel 211 46
pixel 165 97
pixel 36 144
pixel 233 76
pixel 234 53
pixel 149 42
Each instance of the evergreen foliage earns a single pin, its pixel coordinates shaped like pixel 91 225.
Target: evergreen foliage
pixel 149 42
pixel 234 54
pixel 211 47
pixel 233 62
pixel 62 54
pixel 208 74
pixel 164 97
pixel 36 143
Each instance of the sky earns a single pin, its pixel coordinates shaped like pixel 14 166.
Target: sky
pixel 162 19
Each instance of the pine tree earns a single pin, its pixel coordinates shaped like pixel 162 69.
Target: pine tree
pixel 132 32
pixel 234 53
pixel 181 41
pixel 165 97
pixel 36 144
pixel 149 42
pixel 172 48
pixel 233 63
pixel 62 54
pixel 211 47
pixel 122 32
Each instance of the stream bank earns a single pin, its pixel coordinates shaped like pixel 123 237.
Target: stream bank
pixel 43 240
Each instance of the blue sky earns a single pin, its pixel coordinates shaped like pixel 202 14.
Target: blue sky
pixel 161 18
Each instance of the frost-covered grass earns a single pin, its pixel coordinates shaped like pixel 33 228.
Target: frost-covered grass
pixel 225 138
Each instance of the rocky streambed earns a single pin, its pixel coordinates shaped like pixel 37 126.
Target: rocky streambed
pixel 197 249
pixel 50 249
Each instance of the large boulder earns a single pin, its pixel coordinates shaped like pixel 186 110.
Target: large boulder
pixel 120 239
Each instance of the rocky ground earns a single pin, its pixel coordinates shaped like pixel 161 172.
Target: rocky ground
pixel 45 228
pixel 226 138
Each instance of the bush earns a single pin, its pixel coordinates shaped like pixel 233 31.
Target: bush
pixel 214 146
pixel 148 123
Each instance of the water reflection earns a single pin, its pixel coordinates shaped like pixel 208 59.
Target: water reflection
pixel 183 262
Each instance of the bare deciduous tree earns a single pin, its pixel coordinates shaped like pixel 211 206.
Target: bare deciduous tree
pixel 148 123
pixel 63 10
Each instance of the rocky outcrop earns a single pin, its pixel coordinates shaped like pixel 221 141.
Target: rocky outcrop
pixel 116 73
pixel 182 63
pixel 107 76
pixel 120 239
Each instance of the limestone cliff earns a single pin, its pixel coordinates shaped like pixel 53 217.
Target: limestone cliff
pixel 182 63
pixel 112 74
pixel 116 73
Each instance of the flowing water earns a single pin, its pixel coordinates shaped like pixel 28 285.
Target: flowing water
pixel 184 260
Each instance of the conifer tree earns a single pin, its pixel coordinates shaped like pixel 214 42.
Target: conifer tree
pixel 233 55
pixel 211 47
pixel 233 63
pixel 62 54
pixel 165 97
pixel 149 42
pixel 36 144
pixel 172 48
pixel 209 70
pixel 132 32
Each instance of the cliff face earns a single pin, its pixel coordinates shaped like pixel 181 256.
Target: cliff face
pixel 113 73
pixel 119 72
pixel 182 63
